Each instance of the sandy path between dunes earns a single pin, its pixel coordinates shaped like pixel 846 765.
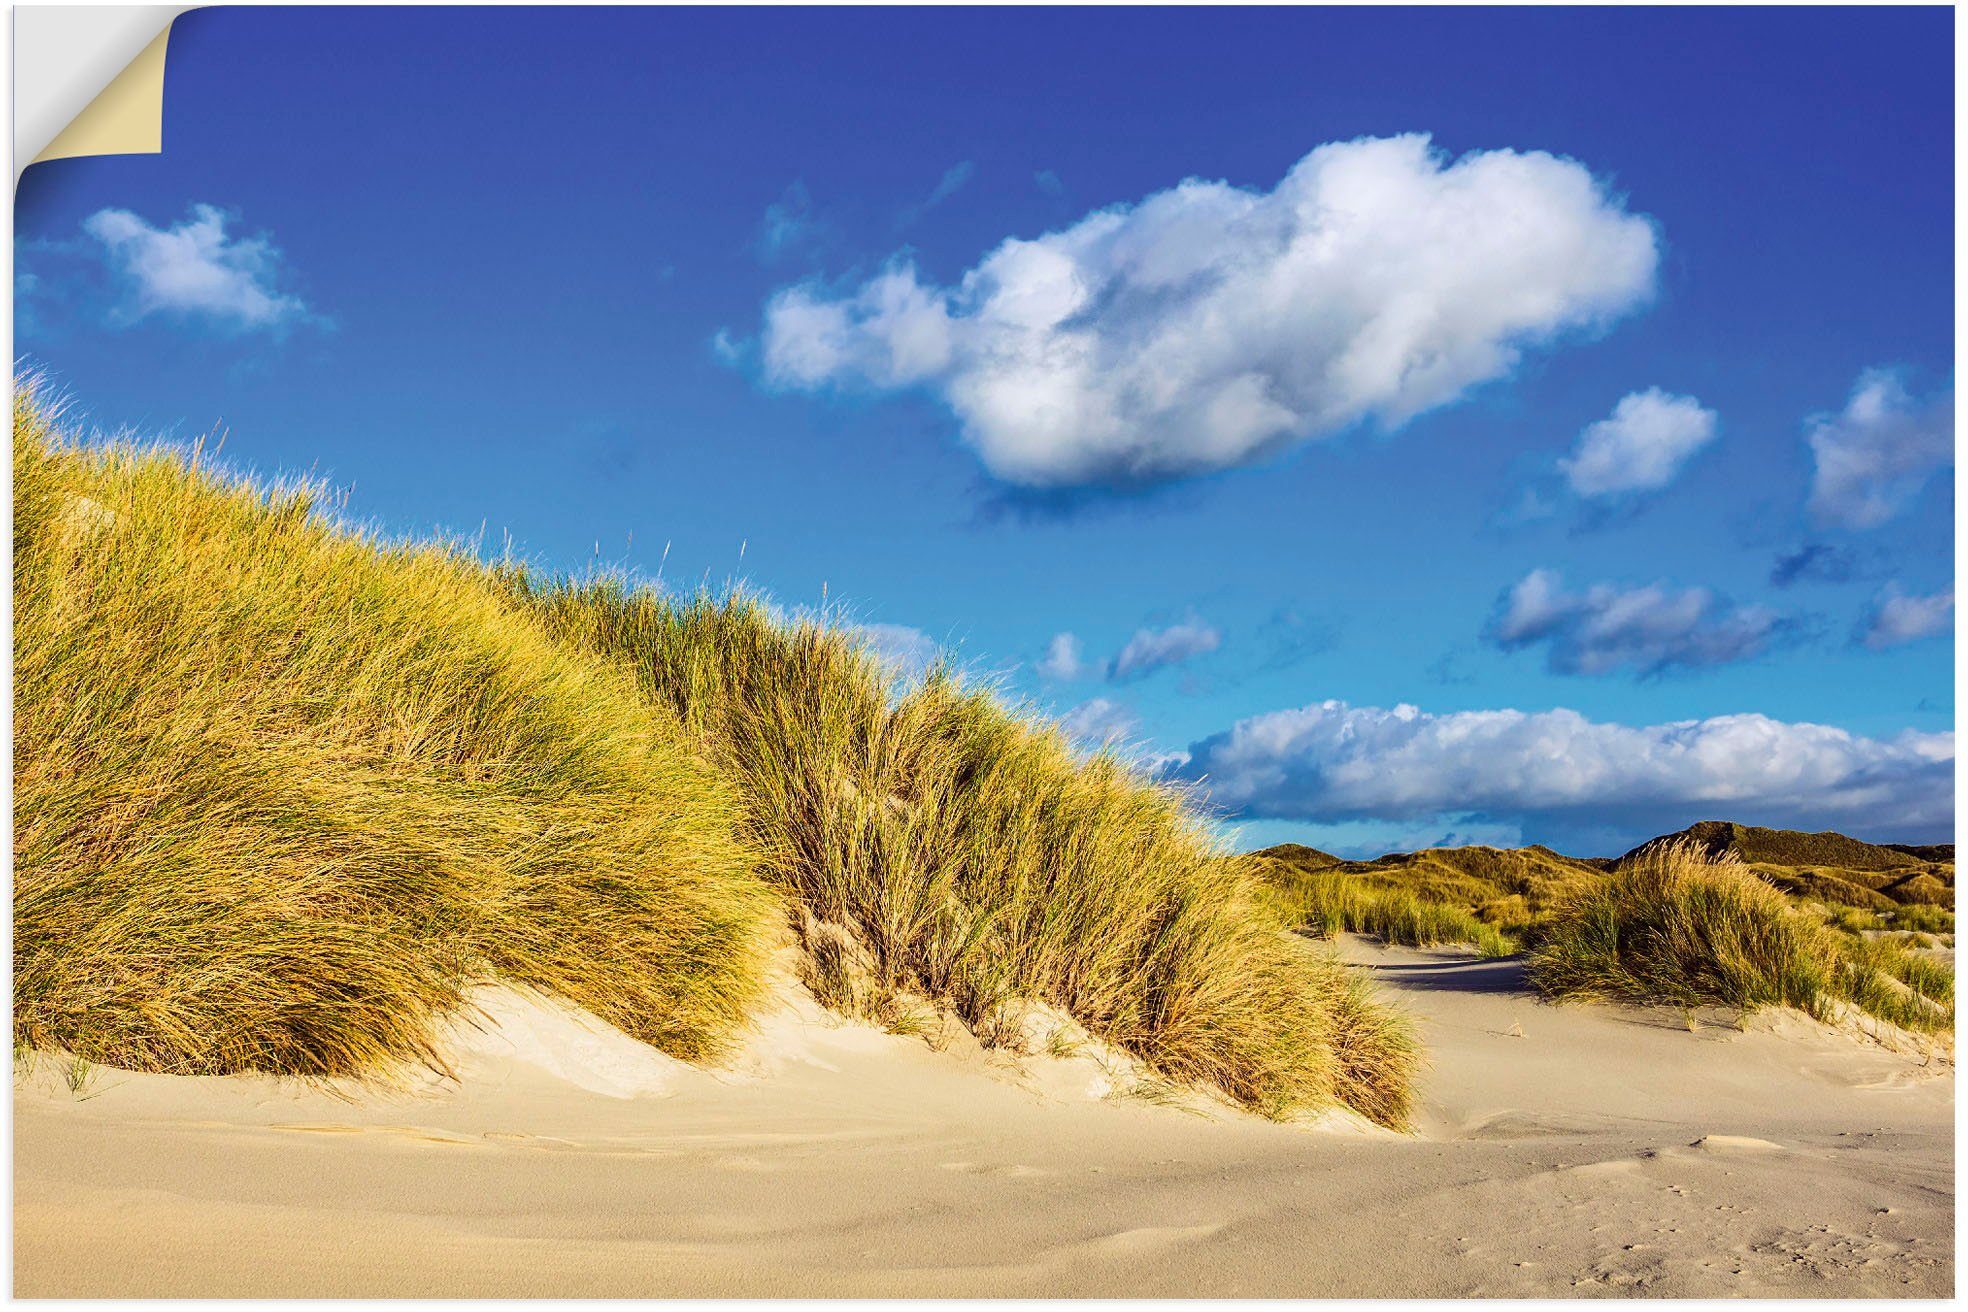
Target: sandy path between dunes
pixel 1562 1150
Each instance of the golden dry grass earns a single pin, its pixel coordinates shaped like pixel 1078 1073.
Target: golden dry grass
pixel 1330 901
pixel 1676 925
pixel 981 863
pixel 282 790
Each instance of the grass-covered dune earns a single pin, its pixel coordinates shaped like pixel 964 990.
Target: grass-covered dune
pixel 281 791
pixel 284 790
pixel 1490 898
pixel 942 847
pixel 1676 924
pixel 1789 847
pixel 1503 899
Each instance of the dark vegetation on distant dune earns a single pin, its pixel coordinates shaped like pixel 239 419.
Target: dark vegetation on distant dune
pixel 284 790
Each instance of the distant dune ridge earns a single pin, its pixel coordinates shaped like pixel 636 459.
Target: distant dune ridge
pixel 285 791
pixel 1717 913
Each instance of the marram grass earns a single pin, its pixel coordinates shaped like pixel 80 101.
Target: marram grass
pixel 1675 925
pixel 284 790
pixel 1327 902
pixel 983 864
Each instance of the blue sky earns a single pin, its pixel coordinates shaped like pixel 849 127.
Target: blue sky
pixel 1416 425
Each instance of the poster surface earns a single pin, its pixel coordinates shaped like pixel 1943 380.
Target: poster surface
pixel 1010 652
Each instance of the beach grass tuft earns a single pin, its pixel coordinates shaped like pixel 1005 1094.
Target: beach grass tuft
pixel 1676 924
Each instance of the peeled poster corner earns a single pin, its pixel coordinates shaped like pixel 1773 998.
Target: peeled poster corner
pixel 89 81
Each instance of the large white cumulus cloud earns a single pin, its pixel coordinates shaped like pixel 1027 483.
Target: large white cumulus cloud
pixel 1208 324
pixel 1331 762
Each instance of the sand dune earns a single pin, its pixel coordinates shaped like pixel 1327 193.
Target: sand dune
pixel 1559 1151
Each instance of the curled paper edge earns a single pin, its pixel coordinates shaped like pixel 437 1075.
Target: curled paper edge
pixel 126 116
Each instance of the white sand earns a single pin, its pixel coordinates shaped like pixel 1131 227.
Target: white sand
pixel 1562 1150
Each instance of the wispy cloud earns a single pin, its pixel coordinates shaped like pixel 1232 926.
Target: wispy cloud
pixel 1896 618
pixel 1329 762
pixel 1154 649
pixel 1873 457
pixel 1209 325
pixel 1647 629
pixel 788 222
pixel 727 348
pixel 1147 650
pixel 950 184
pixel 193 270
pixel 1814 562
pixel 1640 447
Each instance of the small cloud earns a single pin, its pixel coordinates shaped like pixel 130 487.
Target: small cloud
pixel 951 183
pixel 1098 723
pixel 1640 447
pixel 788 222
pixel 729 348
pixel 194 270
pixel 1048 182
pixel 1063 660
pixel 1152 649
pixel 1872 458
pixel 1814 562
pixel 1530 507
pixel 1648 629
pixel 1896 618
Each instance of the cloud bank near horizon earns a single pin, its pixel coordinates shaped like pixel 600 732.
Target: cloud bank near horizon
pixel 1330 762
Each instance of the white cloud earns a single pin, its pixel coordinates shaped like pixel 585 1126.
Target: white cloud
pixel 1151 649
pixel 1897 618
pixel 1098 723
pixel 194 269
pixel 1330 762
pixel 1641 446
pixel 1648 629
pixel 1064 658
pixel 1875 456
pixel 1208 325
